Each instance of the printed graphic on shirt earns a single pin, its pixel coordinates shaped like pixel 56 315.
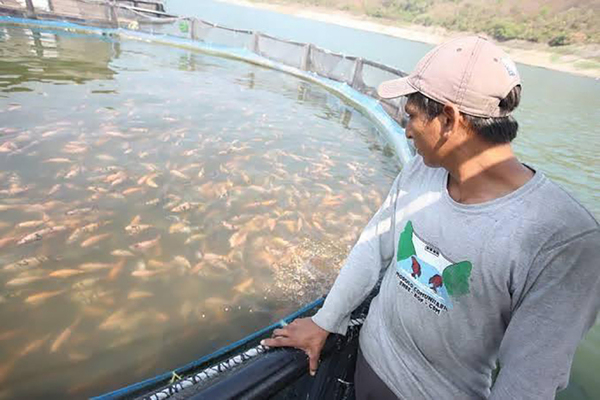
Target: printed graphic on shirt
pixel 424 272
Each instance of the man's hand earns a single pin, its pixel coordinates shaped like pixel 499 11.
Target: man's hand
pixel 302 334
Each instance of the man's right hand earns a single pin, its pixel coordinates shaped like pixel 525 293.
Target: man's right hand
pixel 302 334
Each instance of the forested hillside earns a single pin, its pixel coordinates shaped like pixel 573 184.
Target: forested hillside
pixel 555 22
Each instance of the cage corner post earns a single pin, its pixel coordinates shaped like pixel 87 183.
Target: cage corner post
pixel 30 12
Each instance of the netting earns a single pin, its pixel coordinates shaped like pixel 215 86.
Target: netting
pixel 284 51
pixel 213 34
pixel 331 65
pixel 148 16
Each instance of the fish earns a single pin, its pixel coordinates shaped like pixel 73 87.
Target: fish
pixel 58 160
pixel 26 263
pixel 196 237
pixel 179 174
pixel 135 229
pixel 23 281
pixel 238 238
pixel 115 177
pixel 73 172
pixel 7 241
pixel 132 190
pixel 121 253
pixel 244 286
pixel 160 317
pixel 144 273
pixel 261 203
pixel 179 227
pixel 182 207
pixel 76 235
pixel 9 334
pixel 117 134
pixel 138 294
pixel 150 182
pixel 33 346
pixel 30 224
pixel 114 320
pixel 94 240
pixel 39 298
pixel 115 270
pixel 8 147
pixel 64 336
pixel 152 202
pixel 85 283
pixel 145 245
pixel 94 266
pixel 157 264
pixel 65 273
pixel 39 235
pixel 79 211
pixel 182 262
pixel 105 157
pixel 74 148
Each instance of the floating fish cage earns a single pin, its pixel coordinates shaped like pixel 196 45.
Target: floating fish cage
pixel 347 76
pixel 244 369
pixel 101 13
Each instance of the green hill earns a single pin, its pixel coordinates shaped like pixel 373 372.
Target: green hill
pixel 554 22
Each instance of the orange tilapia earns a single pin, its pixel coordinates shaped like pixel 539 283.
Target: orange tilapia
pixel 94 240
pixel 63 337
pixel 65 273
pixel 39 298
pixel 26 263
pixel 42 233
pixel 141 246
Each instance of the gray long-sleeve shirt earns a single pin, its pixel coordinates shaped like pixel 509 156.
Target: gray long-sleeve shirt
pixel 514 280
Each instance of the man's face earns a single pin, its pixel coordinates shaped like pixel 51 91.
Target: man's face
pixel 425 134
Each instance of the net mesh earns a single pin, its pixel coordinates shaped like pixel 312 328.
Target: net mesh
pixel 333 66
pixel 214 34
pixel 283 51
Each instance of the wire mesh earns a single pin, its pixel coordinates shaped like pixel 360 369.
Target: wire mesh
pixel 214 34
pixel 331 65
pixel 284 51
pixel 17 4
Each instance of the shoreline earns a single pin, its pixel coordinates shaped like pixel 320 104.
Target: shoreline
pixel 532 54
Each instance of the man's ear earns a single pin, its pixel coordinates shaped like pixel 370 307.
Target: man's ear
pixel 450 119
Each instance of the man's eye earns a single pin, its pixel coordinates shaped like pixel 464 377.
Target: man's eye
pixel 404 120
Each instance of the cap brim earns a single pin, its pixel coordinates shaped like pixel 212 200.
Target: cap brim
pixel 395 88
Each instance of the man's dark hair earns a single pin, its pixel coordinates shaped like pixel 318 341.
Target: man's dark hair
pixel 494 130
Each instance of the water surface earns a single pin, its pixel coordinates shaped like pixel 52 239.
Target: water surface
pixel 157 204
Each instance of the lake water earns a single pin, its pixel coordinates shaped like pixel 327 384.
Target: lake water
pixel 183 201
pixel 157 204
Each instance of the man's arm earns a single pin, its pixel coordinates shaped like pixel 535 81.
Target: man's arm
pixel 559 305
pixel 370 255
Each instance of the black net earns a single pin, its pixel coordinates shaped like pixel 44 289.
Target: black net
pixel 251 371
pixel 214 34
pixel 283 51
pixel 331 65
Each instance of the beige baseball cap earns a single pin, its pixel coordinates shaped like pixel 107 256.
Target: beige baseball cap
pixel 470 72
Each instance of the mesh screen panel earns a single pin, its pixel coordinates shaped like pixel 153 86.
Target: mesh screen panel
pixel 330 65
pixel 214 34
pixel 372 75
pixel 177 27
pixel 286 52
pixel 92 11
pixel 13 3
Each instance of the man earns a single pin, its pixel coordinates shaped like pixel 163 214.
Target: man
pixel 484 259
